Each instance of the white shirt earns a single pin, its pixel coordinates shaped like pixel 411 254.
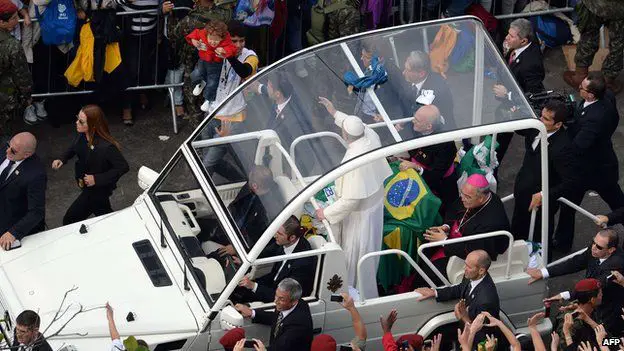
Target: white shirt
pixel 518 51
pixel 537 139
pixel 419 85
pixel 281 106
pixel 117 345
pixel 284 313
pixel 565 294
pixel 585 104
pixel 473 285
pixel 6 163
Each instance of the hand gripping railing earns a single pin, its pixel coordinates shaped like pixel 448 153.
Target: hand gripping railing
pixel 426 260
pixel 402 253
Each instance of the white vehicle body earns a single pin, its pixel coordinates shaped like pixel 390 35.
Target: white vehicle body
pixel 174 309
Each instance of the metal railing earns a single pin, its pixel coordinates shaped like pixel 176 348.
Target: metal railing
pixel 383 253
pixel 69 90
pixel 441 276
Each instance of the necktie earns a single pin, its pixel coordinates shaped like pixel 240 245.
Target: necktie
pixel 512 57
pixel 5 173
pixel 278 324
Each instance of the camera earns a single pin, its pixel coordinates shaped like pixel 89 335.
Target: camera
pixel 250 344
pixel 336 298
pixel 539 100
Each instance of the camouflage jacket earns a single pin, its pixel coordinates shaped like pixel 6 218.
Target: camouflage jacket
pixel 15 77
pixel 608 9
pixel 197 18
pixel 343 22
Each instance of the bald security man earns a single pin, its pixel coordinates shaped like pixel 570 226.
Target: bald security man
pixel 434 162
pixel 22 190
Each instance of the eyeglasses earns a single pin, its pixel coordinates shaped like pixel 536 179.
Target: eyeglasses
pixel 11 150
pixel 598 246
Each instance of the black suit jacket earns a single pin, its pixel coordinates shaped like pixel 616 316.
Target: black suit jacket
pixel 565 169
pixel 295 331
pixel 253 213
pixel 104 161
pixel 491 218
pixel 484 297
pixel 38 345
pixel 408 94
pixel 301 270
pixel 22 198
pixel 528 69
pixel 612 302
pixel 591 131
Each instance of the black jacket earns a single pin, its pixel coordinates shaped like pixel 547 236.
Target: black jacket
pixel 611 308
pixel 295 332
pixel 565 170
pixel 407 94
pixel 484 297
pixel 528 69
pixel 591 131
pixel 437 160
pixel 301 270
pixel 103 161
pixel 38 345
pixel 491 218
pixel 22 198
pixel 253 213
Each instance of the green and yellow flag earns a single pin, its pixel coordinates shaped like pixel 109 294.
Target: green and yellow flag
pixel 410 208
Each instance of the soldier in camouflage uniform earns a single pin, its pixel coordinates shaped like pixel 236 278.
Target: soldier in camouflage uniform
pixel 583 319
pixel 345 21
pixel 15 78
pixel 592 15
pixel 204 11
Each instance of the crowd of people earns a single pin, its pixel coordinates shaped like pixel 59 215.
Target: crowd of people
pixel 208 51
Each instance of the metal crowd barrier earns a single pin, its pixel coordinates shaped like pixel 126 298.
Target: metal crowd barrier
pixel 407 10
pixel 172 86
pixel 69 90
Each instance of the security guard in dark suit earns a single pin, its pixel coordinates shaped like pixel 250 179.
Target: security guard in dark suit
pixel 22 190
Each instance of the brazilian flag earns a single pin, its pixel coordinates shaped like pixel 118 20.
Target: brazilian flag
pixel 410 208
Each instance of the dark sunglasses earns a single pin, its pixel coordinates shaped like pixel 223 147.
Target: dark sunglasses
pixel 11 150
pixel 598 246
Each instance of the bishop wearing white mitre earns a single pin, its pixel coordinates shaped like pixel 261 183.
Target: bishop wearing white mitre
pixel 359 208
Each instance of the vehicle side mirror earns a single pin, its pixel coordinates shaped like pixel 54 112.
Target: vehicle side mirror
pixel 146 177
pixel 230 318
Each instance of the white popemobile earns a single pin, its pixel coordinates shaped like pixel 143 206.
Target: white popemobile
pixel 167 288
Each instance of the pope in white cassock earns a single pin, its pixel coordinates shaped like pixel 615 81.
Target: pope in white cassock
pixel 359 208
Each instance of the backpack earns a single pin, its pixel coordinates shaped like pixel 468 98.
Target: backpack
pixel 551 31
pixel 58 22
pixel 318 30
pixel 490 22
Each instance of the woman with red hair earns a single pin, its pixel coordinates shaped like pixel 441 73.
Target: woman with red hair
pixel 99 166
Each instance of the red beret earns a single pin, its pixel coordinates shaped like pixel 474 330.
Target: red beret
pixel 323 342
pixel 7 6
pixel 589 284
pixel 230 338
pixel 415 340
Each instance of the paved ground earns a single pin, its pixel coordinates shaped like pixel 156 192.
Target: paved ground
pixel 142 146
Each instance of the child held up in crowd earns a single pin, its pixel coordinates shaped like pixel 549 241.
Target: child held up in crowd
pixel 214 45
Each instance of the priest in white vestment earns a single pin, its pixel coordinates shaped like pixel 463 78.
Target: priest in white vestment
pixel 359 208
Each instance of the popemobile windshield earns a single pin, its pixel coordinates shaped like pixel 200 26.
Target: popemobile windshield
pixel 160 260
